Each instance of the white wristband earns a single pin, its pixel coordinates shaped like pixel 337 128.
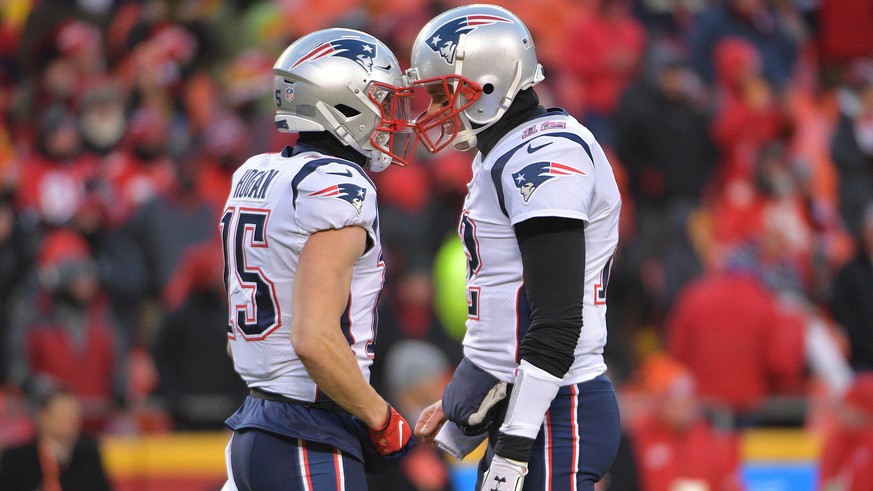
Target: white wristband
pixel 532 395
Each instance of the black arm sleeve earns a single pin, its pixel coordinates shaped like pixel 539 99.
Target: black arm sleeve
pixel 553 257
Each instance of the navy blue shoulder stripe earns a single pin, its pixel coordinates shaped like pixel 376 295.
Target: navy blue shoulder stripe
pixel 311 167
pixel 500 164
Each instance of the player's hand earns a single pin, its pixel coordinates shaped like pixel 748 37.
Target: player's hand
pixel 429 423
pixel 393 435
pixel 504 474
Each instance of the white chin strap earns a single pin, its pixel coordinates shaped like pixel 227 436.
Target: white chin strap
pixel 378 161
pixel 466 138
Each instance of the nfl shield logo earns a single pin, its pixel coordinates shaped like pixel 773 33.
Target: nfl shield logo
pixel 289 93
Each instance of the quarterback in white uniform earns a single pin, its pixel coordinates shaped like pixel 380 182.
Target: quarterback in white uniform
pixel 549 167
pixel 540 228
pixel 304 271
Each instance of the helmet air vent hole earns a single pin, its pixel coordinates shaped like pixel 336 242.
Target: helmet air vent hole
pixel 488 89
pixel 346 110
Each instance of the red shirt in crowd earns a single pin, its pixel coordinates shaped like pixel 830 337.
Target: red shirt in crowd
pixel 728 329
pixel 667 458
pixel 54 189
pixel 85 366
pixel 605 52
pixel 847 461
pixel 134 182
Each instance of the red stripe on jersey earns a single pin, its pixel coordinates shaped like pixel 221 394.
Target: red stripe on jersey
pixel 573 170
pixel 328 191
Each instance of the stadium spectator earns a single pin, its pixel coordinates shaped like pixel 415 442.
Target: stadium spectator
pixel 852 297
pixel 142 255
pixel 71 341
pixel 728 318
pixel 753 20
pixel 223 146
pixel 54 181
pixel 603 55
pixel 194 300
pixel 141 169
pixel 748 113
pixel 770 212
pixel 246 83
pixel 102 117
pixel 17 245
pixel 846 462
pixel 59 456
pixel 676 447
pixel 852 148
pixel 663 141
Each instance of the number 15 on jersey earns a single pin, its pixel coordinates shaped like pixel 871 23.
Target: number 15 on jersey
pixel 254 310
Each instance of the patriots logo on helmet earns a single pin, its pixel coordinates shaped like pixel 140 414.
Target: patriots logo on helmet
pixel 445 39
pixel 355 49
pixel 348 192
pixel 530 178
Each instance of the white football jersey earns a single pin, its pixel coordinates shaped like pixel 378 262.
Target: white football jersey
pixel 550 166
pixel 276 202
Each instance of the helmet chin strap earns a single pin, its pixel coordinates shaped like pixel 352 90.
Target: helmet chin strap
pixel 466 138
pixel 377 161
pixel 339 129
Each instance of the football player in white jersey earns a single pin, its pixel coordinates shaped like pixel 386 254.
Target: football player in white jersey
pixel 304 271
pixel 539 227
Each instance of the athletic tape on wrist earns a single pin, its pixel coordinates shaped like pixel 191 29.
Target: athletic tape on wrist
pixel 532 395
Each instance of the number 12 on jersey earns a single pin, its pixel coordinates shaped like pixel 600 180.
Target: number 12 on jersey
pixel 467 231
pixel 254 310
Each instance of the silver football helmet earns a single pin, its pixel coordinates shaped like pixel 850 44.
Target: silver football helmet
pixel 473 60
pixel 349 83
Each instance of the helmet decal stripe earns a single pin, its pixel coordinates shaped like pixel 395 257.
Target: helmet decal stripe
pixel 319 51
pixel 355 49
pixel 484 20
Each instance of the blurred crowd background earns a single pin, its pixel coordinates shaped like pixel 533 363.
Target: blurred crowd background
pixel 741 132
